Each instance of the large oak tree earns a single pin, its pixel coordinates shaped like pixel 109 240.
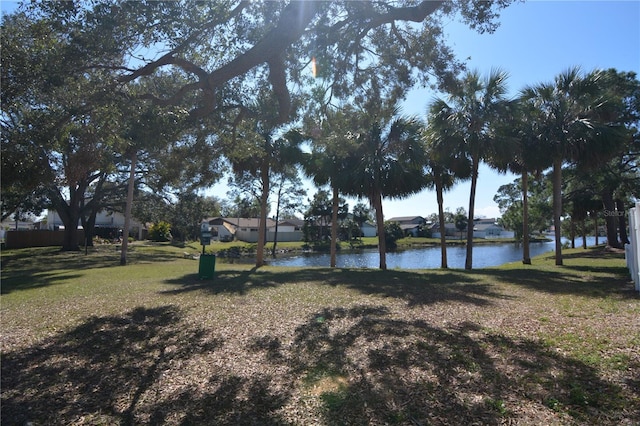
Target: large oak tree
pixel 222 53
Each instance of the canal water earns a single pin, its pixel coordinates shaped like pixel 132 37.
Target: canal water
pixel 484 255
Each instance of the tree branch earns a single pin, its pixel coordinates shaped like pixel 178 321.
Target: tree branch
pixel 170 57
pixel 290 27
pixel 278 79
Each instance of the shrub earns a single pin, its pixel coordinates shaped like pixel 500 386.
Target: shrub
pixel 392 233
pixel 160 231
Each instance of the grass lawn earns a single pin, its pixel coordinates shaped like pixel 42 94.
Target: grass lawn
pixel 88 342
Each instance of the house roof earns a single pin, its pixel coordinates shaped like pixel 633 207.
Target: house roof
pixel 406 226
pixel 436 226
pixel 294 222
pixel 485 221
pixel 402 219
pixel 485 226
pixel 242 222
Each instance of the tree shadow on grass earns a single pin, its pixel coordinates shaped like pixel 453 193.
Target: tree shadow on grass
pixel 595 252
pixel 43 266
pixel 417 288
pixel 11 282
pixel 121 370
pixel 368 367
pixel 357 365
pixel 595 282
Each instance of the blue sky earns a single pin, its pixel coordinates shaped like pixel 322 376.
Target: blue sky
pixel 536 40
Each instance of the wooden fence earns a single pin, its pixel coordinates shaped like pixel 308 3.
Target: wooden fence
pixel 37 238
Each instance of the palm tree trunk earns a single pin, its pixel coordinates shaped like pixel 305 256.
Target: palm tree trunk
pixel 526 256
pixel 443 229
pixel 127 210
pixel 334 225
pixel 468 263
pixel 557 207
pixel 382 246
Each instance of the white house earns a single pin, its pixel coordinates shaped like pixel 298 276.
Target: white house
pixel 246 229
pixel 220 229
pixel 288 230
pixel 12 225
pixel 482 228
pixel 487 228
pixel 104 219
pixel 368 229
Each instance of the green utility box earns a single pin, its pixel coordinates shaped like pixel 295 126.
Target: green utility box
pixel 207 266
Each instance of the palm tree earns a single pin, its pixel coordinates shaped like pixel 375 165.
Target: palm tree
pixel 570 113
pixel 446 163
pixel 473 105
pixel 328 162
pixel 518 150
pixel 388 162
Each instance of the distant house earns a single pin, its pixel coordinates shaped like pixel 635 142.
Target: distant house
pixel 289 230
pixel 246 229
pixel 219 230
pixel 105 221
pixel 487 228
pixel 368 229
pixel 12 225
pixel 482 228
pixel 410 224
pixel 449 228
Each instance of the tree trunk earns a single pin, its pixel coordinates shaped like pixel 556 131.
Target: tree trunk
pixel 584 234
pixel 595 224
pixel 382 244
pixel 127 210
pixel 622 222
pixel 69 214
pixel 610 219
pixel 70 237
pixel 443 229
pixel 89 226
pixel 468 263
pixel 526 256
pixel 334 225
pixel 262 227
pixel 275 233
pixel 572 233
pixel 89 223
pixel 275 238
pixel 557 207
